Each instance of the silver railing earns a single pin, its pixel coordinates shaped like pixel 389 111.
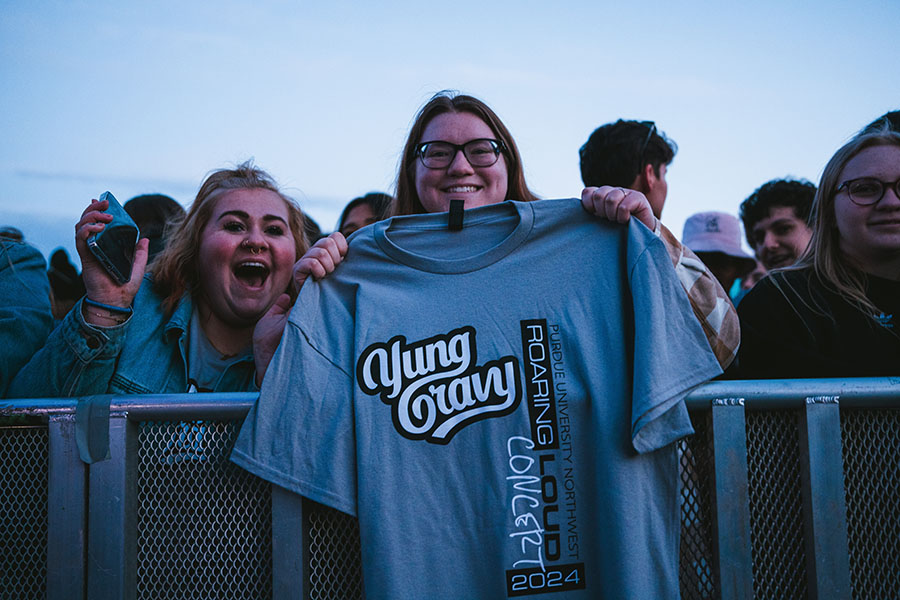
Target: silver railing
pixel 790 489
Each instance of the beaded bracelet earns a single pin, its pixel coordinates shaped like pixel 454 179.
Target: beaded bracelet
pixel 116 320
pixel 127 310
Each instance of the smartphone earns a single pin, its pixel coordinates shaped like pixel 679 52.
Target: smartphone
pixel 114 246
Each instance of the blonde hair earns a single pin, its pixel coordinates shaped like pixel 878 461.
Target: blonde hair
pixel 823 255
pixel 176 269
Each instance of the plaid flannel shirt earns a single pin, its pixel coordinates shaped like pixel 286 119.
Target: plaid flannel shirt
pixel 711 304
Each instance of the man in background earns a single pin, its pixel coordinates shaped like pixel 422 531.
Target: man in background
pixel 629 154
pixel 775 219
pixel 634 155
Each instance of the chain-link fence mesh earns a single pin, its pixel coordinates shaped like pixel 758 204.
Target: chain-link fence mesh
pixel 23 512
pixel 204 524
pixel 205 528
pixel 335 567
pixel 696 572
pixel 871 448
pixel 776 506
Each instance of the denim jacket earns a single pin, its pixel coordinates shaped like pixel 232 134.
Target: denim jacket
pixel 25 317
pixel 145 355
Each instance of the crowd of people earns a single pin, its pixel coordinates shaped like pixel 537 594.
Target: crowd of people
pixel 623 166
pixel 215 290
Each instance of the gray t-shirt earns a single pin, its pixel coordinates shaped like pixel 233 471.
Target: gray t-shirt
pixel 496 405
pixel 206 365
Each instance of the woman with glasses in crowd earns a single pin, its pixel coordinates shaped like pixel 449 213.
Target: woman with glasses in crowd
pixel 189 324
pixel 836 313
pixel 459 149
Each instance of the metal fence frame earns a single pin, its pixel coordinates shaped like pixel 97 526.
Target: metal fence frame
pixel 99 562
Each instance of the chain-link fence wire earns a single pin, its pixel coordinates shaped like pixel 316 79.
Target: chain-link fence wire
pixel 776 506
pixel 23 512
pixel 696 574
pixel 335 564
pixel 204 524
pixel 871 449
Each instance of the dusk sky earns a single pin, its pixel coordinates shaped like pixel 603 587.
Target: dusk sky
pixel 149 98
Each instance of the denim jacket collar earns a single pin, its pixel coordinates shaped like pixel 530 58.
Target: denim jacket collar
pixel 177 325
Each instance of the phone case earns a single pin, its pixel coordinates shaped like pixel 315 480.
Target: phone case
pixel 114 246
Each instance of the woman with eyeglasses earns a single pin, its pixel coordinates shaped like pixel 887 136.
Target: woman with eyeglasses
pixel 836 313
pixel 190 325
pixel 459 149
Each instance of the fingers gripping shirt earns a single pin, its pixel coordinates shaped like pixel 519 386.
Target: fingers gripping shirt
pixel 499 402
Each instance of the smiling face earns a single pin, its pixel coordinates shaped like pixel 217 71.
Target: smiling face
pixel 780 238
pixel 870 235
pixel 247 251
pixel 476 186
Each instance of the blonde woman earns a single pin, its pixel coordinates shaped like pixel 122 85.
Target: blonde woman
pixel 836 313
pixel 189 324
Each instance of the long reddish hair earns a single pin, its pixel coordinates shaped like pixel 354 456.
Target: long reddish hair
pixel 407 202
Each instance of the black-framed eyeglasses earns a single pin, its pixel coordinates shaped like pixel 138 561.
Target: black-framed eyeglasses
pixel 482 152
pixel 651 129
pixel 866 191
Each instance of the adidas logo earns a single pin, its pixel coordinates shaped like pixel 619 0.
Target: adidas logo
pixel 885 320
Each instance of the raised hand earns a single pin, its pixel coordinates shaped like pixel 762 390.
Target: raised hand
pixel 321 259
pixel 99 285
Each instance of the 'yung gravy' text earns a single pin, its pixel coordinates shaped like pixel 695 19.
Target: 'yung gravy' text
pixel 434 387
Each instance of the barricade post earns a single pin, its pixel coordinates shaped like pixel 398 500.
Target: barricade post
pixel 112 532
pixel 66 515
pixel 730 498
pixel 825 512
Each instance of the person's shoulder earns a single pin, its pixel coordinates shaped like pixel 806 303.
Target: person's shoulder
pixel 782 284
pixel 148 306
pixel 16 254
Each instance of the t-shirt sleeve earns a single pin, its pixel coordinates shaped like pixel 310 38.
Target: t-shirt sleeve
pixel 671 352
pixel 300 434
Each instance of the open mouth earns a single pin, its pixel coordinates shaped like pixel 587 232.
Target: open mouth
pixel 251 273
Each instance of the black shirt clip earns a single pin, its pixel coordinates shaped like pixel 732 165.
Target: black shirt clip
pixel 456 215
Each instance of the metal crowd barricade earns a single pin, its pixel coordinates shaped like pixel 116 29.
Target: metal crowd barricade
pixel 790 489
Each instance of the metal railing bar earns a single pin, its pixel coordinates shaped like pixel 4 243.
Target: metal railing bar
pixel 775 394
pixel 37 406
pixel 768 394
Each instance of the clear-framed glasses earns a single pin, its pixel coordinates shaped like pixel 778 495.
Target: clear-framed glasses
pixel 482 152
pixel 866 191
pixel 651 129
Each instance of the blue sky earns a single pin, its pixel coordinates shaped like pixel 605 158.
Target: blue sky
pixel 149 97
